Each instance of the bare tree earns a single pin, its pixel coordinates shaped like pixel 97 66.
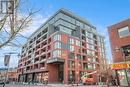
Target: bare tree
pixel 12 23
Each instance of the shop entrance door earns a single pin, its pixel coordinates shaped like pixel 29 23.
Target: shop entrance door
pixel 60 73
pixel 122 78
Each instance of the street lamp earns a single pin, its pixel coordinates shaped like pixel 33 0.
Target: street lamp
pixel 124 57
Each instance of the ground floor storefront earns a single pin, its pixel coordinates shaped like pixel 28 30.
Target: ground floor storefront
pixel 122 73
pixel 123 77
pixel 33 77
pixel 57 73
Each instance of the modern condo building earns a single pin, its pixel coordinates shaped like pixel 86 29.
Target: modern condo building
pixel 64 47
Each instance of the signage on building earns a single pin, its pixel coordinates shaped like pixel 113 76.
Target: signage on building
pixel 6 60
pixel 120 66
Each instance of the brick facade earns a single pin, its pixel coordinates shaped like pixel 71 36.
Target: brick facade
pixel 117 42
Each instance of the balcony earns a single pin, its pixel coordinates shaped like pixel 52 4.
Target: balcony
pixel 55 60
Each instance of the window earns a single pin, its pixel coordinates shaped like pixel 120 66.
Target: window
pixel 80 65
pixel 65 30
pixel 81 25
pixel 85 66
pixel 71 48
pixel 71 64
pixel 90 46
pixel 79 57
pixel 89 34
pixel 71 55
pixel 69 19
pixel 94 66
pixel 124 32
pixel 57 37
pixel 56 53
pixel 90 66
pixel 57 45
pixel 91 41
pixel 77 43
pixel 71 41
pixel 87 27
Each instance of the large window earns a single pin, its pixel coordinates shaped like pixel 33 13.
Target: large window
pixel 71 55
pixel 67 18
pixel 78 23
pixel 57 45
pixel 57 37
pixel 89 34
pixel 90 66
pixel 71 48
pixel 71 64
pixel 78 43
pixel 79 57
pixel 85 66
pixel 123 32
pixel 90 46
pixel 56 53
pixel 65 30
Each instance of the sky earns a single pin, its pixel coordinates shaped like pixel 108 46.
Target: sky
pixel 100 13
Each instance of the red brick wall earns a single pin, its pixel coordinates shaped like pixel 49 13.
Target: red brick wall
pixel 53 73
pixel 115 41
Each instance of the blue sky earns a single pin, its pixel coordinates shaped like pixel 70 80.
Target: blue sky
pixel 100 13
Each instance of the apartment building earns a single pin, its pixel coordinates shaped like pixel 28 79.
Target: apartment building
pixel 119 35
pixel 64 47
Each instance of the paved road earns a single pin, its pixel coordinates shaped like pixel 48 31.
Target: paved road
pixel 49 85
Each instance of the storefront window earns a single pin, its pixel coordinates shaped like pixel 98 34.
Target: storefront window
pixel 71 76
pixel 29 78
pixel 122 77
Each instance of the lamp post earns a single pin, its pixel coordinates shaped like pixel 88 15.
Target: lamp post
pixel 124 57
pixel 6 63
